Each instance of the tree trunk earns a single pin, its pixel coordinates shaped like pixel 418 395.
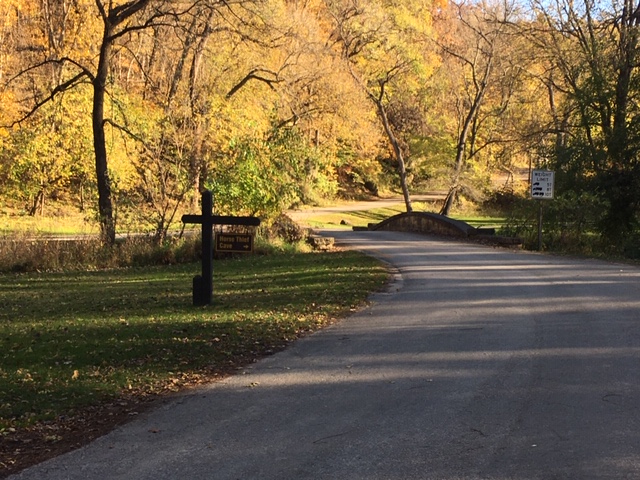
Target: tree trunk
pixel 449 199
pixel 458 167
pixel 82 203
pixel 177 74
pixel 461 148
pixel 196 165
pixel 459 164
pixel 105 203
pixel 112 15
pixel 38 204
pixel 402 170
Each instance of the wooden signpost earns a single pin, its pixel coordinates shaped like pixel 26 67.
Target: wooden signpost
pixel 203 284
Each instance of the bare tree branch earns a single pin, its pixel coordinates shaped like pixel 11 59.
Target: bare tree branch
pixel 253 75
pixel 63 87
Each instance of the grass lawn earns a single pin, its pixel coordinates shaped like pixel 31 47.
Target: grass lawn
pixel 72 340
pixel 69 223
pixel 364 217
pixel 352 218
pixel 482 221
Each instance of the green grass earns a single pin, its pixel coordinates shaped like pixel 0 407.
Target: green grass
pixel 354 218
pixel 482 221
pixel 66 222
pixel 70 340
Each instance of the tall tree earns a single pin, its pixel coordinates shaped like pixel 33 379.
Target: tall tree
pixel 477 49
pixel 385 48
pixel 594 52
pixel 118 21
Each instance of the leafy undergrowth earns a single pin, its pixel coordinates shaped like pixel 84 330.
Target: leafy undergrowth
pixel 81 352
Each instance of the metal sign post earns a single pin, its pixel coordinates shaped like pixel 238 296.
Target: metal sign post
pixel 542 188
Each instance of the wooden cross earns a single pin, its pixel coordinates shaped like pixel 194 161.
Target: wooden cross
pixel 203 284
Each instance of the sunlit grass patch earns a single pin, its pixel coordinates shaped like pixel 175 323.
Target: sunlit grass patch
pixel 482 221
pixel 348 219
pixel 66 222
pixel 69 340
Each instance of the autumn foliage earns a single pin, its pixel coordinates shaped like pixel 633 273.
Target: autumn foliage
pixel 126 109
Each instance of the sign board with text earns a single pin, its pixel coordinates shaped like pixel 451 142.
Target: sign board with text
pixel 542 184
pixel 234 242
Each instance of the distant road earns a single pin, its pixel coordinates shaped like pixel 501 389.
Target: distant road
pixel 478 363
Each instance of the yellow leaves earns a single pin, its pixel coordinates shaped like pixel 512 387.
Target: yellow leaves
pixel 76 375
pixel 25 375
pixel 440 4
pixel 21 6
pixel 9 110
pixel 413 16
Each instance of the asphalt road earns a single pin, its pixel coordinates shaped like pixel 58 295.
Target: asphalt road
pixel 479 363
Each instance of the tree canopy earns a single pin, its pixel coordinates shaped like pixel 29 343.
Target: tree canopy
pixel 112 105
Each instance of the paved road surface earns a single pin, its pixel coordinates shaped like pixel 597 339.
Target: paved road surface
pixel 480 363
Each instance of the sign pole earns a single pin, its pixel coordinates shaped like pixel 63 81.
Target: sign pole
pixel 542 188
pixel 204 298
pixel 539 225
pixel 203 284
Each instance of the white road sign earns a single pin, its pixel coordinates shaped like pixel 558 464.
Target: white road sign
pixel 542 184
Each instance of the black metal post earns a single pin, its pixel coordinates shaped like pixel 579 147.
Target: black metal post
pixel 539 225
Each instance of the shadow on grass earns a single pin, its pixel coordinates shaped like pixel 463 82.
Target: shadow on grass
pixel 70 340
